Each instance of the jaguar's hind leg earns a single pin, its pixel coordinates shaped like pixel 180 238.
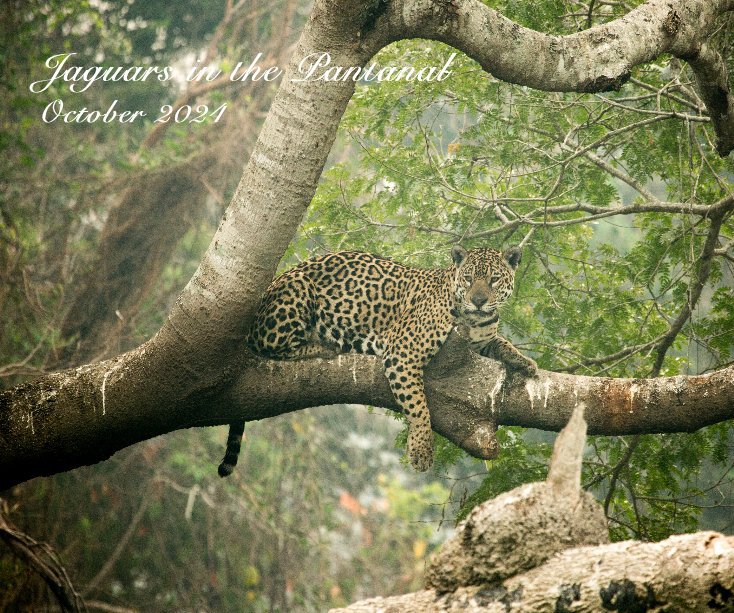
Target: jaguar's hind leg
pixel 406 382
pixel 284 324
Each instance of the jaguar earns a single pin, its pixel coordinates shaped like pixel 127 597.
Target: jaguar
pixel 354 301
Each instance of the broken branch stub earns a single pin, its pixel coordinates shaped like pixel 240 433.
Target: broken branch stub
pixel 521 529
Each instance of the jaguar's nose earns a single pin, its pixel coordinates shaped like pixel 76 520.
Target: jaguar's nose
pixel 478 300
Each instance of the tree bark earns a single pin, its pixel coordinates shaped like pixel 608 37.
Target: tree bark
pixel 524 552
pixel 183 376
pixel 44 430
pixel 685 573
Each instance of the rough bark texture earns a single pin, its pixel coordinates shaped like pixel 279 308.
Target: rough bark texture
pixel 521 529
pixel 47 426
pixel 687 573
pixel 520 552
pixel 183 376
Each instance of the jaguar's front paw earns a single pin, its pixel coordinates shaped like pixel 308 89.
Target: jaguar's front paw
pixel 521 367
pixel 526 367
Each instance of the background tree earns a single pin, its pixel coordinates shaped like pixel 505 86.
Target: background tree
pixel 476 160
pixel 93 269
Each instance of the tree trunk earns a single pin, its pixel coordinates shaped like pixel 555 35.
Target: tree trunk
pixel 685 573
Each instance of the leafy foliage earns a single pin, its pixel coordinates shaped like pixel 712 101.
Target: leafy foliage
pixel 479 161
pixel 320 514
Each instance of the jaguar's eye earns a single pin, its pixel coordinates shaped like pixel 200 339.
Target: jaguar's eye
pixel 492 281
pixel 468 278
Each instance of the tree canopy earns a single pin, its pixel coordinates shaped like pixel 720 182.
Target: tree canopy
pixel 620 197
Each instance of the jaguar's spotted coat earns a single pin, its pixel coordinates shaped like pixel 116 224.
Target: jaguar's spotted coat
pixel 353 301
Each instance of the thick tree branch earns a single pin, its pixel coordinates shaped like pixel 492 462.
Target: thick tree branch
pixel 594 60
pixel 44 430
pixel 686 572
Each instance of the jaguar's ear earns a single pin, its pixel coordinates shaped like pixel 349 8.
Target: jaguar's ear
pixel 513 256
pixel 459 254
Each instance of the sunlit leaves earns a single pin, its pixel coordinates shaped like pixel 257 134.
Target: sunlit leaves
pixel 521 461
pixel 482 162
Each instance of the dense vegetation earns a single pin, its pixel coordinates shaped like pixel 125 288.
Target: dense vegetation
pixel 626 273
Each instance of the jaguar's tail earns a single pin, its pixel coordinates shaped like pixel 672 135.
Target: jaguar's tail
pixel 234 442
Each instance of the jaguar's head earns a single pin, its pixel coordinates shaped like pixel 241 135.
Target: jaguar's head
pixel 483 278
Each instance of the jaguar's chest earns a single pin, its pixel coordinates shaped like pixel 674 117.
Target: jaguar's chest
pixel 481 327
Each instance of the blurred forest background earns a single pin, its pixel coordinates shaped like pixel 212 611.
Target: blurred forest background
pixel 102 225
